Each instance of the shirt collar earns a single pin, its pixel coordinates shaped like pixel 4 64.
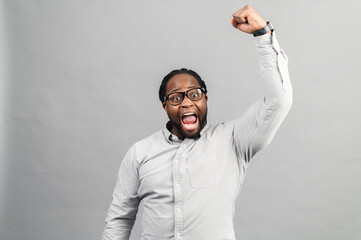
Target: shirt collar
pixel 173 139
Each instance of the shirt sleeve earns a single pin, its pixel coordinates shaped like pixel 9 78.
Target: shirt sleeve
pixel 256 128
pixel 124 206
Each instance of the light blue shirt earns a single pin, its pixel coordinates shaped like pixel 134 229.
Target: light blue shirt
pixel 189 187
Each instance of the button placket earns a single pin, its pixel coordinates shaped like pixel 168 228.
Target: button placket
pixel 178 204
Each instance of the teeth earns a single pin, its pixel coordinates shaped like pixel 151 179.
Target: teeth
pixel 188 113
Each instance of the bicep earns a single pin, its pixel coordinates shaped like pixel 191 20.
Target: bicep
pixel 257 126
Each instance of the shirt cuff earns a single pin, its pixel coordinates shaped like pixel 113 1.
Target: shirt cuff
pixel 264 39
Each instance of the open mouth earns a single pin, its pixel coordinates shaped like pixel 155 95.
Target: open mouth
pixel 190 121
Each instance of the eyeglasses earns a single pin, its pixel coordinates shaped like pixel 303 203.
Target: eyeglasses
pixel 193 94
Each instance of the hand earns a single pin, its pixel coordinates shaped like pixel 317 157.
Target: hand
pixel 248 20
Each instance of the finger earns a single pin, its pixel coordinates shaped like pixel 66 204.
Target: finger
pixel 236 13
pixel 240 20
pixel 241 16
pixel 234 23
pixel 240 11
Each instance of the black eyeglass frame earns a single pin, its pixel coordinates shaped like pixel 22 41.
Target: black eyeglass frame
pixel 185 93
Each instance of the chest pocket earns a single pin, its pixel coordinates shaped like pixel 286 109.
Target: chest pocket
pixel 203 170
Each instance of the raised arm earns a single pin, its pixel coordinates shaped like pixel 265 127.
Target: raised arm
pixel 124 207
pixel 256 128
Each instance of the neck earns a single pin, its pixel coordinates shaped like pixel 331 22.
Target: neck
pixel 174 130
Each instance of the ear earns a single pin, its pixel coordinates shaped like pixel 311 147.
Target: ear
pixel 206 97
pixel 164 104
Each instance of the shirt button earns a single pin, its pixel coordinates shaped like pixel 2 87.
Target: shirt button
pixel 176 161
pixel 178 211
pixel 177 184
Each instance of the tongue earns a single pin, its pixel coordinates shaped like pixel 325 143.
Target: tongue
pixel 190 119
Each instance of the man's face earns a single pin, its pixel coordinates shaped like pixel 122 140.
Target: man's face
pixel 189 117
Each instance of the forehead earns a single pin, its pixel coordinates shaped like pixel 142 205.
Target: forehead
pixel 181 82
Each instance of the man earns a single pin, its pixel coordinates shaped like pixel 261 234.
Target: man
pixel 189 174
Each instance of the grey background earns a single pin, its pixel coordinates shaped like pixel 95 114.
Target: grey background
pixel 79 82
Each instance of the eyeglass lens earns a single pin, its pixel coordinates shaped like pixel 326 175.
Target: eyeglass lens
pixel 193 94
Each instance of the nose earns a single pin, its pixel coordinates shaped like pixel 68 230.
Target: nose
pixel 186 102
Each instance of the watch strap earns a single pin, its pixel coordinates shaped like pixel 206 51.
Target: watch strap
pixel 262 31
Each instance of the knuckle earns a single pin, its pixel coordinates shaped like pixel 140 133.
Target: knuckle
pixel 250 9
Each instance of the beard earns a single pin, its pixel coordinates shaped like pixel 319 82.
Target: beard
pixel 202 124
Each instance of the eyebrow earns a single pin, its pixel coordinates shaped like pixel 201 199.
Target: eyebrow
pixel 190 87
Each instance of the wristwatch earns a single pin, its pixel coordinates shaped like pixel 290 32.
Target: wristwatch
pixel 262 31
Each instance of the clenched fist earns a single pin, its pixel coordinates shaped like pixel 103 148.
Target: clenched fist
pixel 248 20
